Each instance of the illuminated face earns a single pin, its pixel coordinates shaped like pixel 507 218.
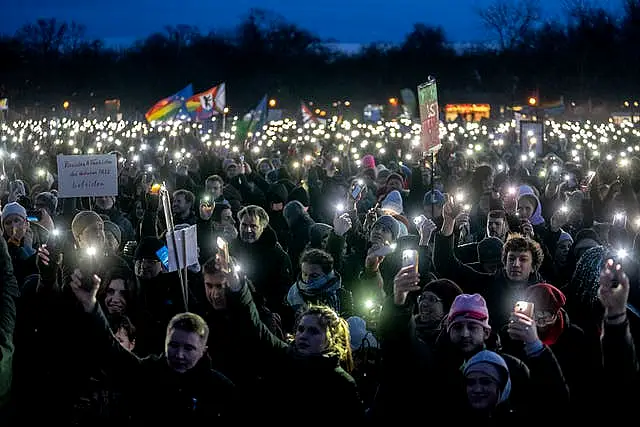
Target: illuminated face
pixel 214 286
pixel 183 350
pixel 519 265
pixel 497 227
pixel 15 227
pixel 116 298
pixel 311 337
pixel 251 229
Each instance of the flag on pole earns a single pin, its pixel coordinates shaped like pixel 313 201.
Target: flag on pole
pixel 307 115
pixel 258 116
pixel 167 108
pixel 203 105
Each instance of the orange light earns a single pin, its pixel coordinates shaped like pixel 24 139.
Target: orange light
pixel 393 101
pixel 273 103
pixel 533 101
pixel 323 113
pixel 317 111
pixel 347 103
pixel 65 104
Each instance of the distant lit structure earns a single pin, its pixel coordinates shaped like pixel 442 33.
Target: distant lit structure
pixel 468 112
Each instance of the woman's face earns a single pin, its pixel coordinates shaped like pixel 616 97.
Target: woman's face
pixel 116 298
pixel 482 391
pixel 526 207
pixel 311 337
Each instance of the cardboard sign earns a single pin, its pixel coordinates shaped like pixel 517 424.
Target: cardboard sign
pixel 87 175
pixel 429 116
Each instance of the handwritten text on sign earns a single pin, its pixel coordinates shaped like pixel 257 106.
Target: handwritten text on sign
pixel 87 175
pixel 428 102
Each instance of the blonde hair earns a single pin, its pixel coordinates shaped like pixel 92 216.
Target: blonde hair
pixel 337 330
pixel 253 211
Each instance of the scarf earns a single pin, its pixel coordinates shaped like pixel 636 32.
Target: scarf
pixel 323 290
pixel 553 333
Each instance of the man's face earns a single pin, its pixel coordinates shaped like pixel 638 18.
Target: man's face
pixel 232 171
pixel 92 236
pixel 183 350
pixel 15 228
pixel 496 227
pixel 468 337
pixel 180 205
pixel 519 265
pixel 214 188
pixel 251 229
pixel 214 286
pixel 105 203
pixel 380 235
pixel 148 268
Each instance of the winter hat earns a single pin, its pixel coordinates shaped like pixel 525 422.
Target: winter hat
pixel 390 224
pixel 490 250
pixel 565 236
pixel 292 211
pixel 393 203
pixel 82 220
pixel 359 335
pixel 395 176
pixel 14 208
pixel 368 162
pixel 147 249
pixel 47 200
pixel 444 289
pixel 114 230
pixel 586 277
pixel 277 193
pixel 493 365
pixel 546 297
pixel 317 233
pixel 226 163
pixel 434 197
pixel 301 195
pixel 586 238
pixel 469 308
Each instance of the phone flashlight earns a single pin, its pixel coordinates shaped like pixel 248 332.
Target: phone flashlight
pixel 564 209
pixel 340 207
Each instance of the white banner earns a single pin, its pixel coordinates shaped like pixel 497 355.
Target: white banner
pixel 87 175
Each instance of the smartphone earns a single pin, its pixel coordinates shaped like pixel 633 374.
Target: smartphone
pixel 206 201
pixel 163 256
pixel 242 158
pixel 410 258
pixel 524 307
pixel 223 249
pixel 34 215
pixel 356 190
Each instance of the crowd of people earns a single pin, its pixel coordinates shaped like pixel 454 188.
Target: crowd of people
pixel 342 276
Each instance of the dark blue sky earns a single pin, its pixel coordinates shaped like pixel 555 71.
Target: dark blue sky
pixel 348 21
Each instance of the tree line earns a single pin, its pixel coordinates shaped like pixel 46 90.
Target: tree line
pixel 589 54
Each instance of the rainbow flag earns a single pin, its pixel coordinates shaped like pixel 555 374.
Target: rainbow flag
pixel 203 105
pixel 167 108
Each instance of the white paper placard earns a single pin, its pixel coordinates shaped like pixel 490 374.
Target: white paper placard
pixel 87 175
pixel 186 244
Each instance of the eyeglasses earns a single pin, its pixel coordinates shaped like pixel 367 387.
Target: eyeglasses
pixel 428 299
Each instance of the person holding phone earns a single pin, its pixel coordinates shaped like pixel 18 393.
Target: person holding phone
pixel 19 237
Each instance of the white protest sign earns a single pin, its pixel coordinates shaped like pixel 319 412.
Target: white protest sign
pixel 186 247
pixel 87 175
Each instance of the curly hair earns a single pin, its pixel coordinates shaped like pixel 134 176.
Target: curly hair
pixel 337 330
pixel 519 243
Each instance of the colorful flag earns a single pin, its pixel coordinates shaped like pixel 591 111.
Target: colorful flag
pixel 4 104
pixel 429 115
pixel 167 108
pixel 253 121
pixel 203 105
pixel 258 116
pixel 307 115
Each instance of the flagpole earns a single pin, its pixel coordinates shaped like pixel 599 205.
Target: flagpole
pixel 168 217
